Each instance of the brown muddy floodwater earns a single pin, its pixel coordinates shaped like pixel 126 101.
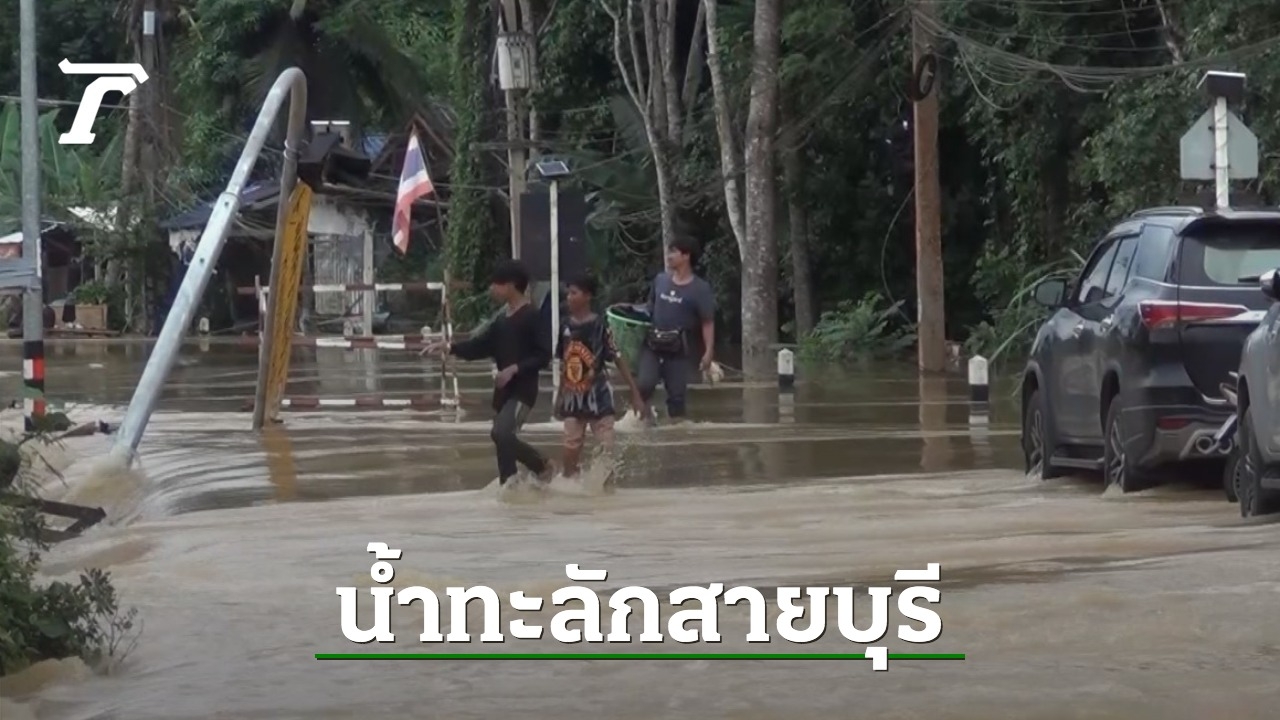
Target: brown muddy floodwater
pixel 1069 602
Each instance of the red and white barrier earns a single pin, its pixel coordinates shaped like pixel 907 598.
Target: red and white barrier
pixel 420 403
pixel 353 342
pixel 449 395
pixel 357 287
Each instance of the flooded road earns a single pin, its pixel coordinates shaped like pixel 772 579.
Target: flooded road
pixel 1068 602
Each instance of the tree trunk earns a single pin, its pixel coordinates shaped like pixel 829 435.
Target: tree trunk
pixel 694 63
pixel 801 270
pixel 730 165
pixel 662 168
pixel 655 103
pixel 759 264
pixel 531 25
pixel 643 68
pixel 128 185
pixel 1169 33
pixel 798 217
pixel 672 88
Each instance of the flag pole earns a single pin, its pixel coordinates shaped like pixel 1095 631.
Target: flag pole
pixel 416 183
pixel 446 294
pixel 446 298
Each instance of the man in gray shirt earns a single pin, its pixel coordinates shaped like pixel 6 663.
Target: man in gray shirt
pixel 682 307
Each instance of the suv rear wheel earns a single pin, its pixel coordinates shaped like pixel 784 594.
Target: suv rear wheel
pixel 1038 441
pixel 1231 473
pixel 1117 467
pixel 1255 500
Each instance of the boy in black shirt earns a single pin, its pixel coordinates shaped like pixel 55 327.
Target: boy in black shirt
pixel 586 399
pixel 517 343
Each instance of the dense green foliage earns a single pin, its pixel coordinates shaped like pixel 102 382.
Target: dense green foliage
pixel 39 620
pixel 1057 117
pixel 470 227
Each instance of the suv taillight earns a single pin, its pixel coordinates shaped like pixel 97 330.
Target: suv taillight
pixel 1167 313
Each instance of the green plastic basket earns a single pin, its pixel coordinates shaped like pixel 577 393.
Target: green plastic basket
pixel 629 324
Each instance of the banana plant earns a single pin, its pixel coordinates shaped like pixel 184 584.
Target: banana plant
pixel 71 176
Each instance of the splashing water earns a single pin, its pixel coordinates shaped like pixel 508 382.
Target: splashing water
pixel 596 476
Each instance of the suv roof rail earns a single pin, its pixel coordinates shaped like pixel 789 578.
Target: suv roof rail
pixel 1168 210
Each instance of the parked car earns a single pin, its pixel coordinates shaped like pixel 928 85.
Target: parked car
pixel 1254 474
pixel 1124 377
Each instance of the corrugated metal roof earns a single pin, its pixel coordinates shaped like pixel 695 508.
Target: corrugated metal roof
pixel 198 216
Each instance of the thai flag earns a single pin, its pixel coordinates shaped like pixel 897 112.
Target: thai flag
pixel 414 183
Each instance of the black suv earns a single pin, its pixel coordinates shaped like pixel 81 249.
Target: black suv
pixel 1124 376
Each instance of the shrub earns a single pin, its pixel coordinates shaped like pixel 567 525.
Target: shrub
pixel 1015 316
pixel 56 620
pixel 858 330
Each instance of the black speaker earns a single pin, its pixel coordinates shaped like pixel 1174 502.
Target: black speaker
pixel 535 233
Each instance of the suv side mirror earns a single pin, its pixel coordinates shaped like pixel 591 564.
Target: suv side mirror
pixel 1268 282
pixel 1050 293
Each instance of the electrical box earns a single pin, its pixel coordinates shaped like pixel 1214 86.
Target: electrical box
pixel 515 61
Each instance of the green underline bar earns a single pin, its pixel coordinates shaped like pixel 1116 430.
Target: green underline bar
pixel 631 656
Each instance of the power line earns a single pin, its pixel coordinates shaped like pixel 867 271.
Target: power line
pixel 1078 77
pixel 50 102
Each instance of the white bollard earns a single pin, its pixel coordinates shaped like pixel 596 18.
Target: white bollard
pixel 980 432
pixel 204 326
pixel 979 392
pixel 786 369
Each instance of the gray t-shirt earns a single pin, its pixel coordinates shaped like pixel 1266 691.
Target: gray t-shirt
pixel 681 307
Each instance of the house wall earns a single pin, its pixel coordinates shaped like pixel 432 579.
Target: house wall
pixel 336 243
pixel 337 232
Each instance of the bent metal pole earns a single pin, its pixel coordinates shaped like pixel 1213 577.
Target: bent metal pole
pixel 291 83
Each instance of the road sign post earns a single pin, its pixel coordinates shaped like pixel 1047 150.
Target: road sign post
pixel 554 171
pixel 282 308
pixel 1219 146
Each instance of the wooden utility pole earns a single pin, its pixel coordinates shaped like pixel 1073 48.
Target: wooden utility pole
pixel 150 99
pixel 931 336
pixel 151 148
pixel 516 77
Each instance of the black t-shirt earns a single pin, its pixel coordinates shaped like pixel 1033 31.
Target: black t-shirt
pixel 516 339
pixel 583 349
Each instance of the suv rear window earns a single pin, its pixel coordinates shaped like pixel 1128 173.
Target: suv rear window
pixel 1229 256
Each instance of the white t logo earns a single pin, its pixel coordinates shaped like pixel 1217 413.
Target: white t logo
pixel 123 78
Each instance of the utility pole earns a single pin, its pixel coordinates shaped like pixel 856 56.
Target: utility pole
pixel 151 142
pixel 931 337
pixel 515 77
pixel 150 97
pixel 33 406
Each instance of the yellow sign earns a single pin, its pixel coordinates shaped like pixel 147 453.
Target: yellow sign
pixel 282 304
